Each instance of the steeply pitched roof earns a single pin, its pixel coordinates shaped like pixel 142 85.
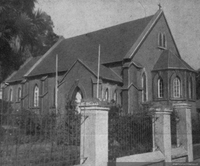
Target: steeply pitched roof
pixel 29 65
pixel 18 76
pixel 108 73
pixel 115 42
pixel 168 60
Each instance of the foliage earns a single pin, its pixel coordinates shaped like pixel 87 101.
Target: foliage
pixel 69 124
pixel 25 126
pixel 36 139
pixel 129 133
pixel 23 32
pixel 5 109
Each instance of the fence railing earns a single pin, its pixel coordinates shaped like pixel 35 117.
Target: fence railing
pixel 129 134
pixel 27 138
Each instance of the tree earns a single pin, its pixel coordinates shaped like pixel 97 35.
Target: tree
pixel 24 32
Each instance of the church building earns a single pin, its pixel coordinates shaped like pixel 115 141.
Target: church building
pixel 139 63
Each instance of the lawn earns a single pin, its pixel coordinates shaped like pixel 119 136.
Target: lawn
pixel 37 154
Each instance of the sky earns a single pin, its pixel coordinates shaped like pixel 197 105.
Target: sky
pixel 76 17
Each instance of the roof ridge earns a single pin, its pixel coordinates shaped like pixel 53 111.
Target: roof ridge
pixel 44 56
pixel 86 33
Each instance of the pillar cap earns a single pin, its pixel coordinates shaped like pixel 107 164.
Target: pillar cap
pixel 182 105
pixel 160 110
pixel 93 102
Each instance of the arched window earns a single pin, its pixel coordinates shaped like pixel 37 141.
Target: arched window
pixel 19 94
pixel 190 94
pixel 106 94
pixel 160 88
pixel 115 96
pixel 144 87
pixel 36 96
pixel 11 95
pixel 77 97
pixel 176 87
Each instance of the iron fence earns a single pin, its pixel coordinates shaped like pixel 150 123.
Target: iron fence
pixel 30 139
pixel 129 134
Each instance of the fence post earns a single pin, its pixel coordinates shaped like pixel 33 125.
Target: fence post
pixel 94 133
pixel 184 127
pixel 162 131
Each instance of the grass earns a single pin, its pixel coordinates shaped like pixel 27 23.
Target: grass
pixel 36 154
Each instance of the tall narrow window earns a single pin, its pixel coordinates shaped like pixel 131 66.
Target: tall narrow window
pixel 115 96
pixel 11 95
pixel 160 88
pixel 144 87
pixel 176 87
pixel 190 88
pixel 106 94
pixel 162 40
pixel 77 97
pixel 36 96
pixel 19 94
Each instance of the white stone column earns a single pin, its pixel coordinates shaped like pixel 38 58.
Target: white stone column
pixel 162 131
pixel 94 134
pixel 184 127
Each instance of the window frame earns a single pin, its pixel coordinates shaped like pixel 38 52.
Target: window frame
pixel 160 85
pixel 190 88
pixel 19 94
pixel 115 96
pixel 176 84
pixel 162 42
pixel 10 97
pixel 36 93
pixel 144 87
pixel 106 96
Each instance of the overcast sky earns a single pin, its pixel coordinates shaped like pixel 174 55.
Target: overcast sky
pixel 75 17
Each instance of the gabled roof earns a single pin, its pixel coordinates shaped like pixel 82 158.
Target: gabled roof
pixel 108 73
pixel 168 60
pixel 29 65
pixel 19 75
pixel 115 42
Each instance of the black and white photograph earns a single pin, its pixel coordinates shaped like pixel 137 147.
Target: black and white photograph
pixel 99 82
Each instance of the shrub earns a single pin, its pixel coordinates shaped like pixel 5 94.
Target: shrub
pixel 5 110
pixel 68 128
